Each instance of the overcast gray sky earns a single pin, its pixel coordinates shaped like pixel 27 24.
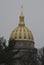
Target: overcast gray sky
pixel 34 18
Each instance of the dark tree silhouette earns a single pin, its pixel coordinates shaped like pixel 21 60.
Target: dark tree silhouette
pixel 43 57
pixel 2 47
pixel 11 52
pixel 7 53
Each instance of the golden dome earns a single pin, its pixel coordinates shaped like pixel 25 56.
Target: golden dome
pixel 21 32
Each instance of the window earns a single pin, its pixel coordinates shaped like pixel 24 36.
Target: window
pixel 20 35
pixel 25 35
pixel 29 37
pixel 15 37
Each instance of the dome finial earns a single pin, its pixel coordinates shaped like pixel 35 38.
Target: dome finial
pixel 21 10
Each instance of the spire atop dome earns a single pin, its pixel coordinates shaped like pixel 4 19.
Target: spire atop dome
pixel 21 22
pixel 22 10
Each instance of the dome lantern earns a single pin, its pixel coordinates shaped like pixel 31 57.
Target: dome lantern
pixel 21 21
